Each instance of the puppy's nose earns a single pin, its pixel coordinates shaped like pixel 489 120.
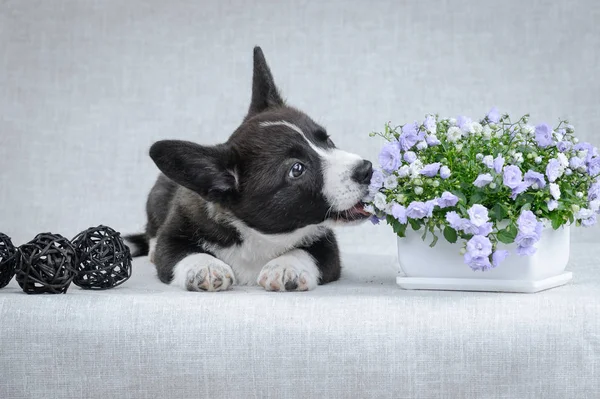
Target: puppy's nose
pixel 363 172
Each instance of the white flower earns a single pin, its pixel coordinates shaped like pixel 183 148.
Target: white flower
pixel 380 201
pixel 568 172
pixel 564 161
pixel 527 130
pixel 595 205
pixel 391 182
pixel 479 156
pixel 403 171
pixel 388 208
pixel 435 183
pixel 582 154
pixel 488 161
pixel 369 208
pixel 454 134
pixel 579 194
pixel 418 190
pixel 555 191
pixel 415 168
pixel 487 132
pixel 476 127
pixel 575 140
pixel 518 157
pixel 452 121
pixel 401 198
pixel 538 160
pixel 458 147
pixel 418 182
pixel 421 145
pixel 558 136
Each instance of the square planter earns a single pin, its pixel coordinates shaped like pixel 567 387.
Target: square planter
pixel 442 267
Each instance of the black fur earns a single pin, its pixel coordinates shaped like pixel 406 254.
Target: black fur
pixel 204 189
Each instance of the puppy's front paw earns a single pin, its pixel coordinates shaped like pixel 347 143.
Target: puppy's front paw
pixel 294 271
pixel 202 272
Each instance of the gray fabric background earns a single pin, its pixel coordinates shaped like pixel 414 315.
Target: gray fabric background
pixel 87 86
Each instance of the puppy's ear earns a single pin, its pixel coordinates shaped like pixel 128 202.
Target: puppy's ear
pixel 209 171
pixel 264 92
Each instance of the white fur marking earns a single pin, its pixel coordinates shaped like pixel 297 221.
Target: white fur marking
pixel 293 271
pixel 202 272
pixel 339 189
pixel 257 249
pixel 151 249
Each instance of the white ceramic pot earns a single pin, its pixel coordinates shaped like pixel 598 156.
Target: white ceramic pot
pixel 443 268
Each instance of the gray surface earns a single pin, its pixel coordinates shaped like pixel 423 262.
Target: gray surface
pixel 360 337
pixel 86 87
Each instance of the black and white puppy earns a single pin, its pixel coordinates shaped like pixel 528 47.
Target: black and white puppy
pixel 257 209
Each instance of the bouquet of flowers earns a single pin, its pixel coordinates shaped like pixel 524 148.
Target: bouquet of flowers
pixel 483 183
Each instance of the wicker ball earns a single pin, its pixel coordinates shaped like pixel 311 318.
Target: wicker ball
pixel 9 257
pixel 104 259
pixel 46 265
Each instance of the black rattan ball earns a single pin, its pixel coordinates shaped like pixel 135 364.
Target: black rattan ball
pixel 9 257
pixel 46 265
pixel 104 259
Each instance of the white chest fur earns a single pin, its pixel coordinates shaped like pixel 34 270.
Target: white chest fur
pixel 257 249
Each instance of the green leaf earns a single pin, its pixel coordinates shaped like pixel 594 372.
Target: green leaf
pixel 526 207
pixel 399 228
pixel 460 196
pixel 498 212
pixel 477 198
pixel 414 224
pixel 508 235
pixel 450 235
pixel 556 220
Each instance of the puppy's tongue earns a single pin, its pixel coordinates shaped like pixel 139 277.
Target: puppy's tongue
pixel 360 209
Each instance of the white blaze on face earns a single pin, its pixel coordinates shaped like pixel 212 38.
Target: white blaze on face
pixel 339 189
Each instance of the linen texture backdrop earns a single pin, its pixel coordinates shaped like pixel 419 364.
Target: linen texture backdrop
pixel 87 87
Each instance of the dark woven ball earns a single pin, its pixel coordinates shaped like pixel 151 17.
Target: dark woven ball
pixel 9 257
pixel 46 265
pixel 104 259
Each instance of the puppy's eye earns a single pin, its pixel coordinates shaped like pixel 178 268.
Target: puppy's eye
pixel 297 170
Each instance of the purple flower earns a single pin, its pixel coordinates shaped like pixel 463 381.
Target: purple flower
pixel 454 220
pixel 479 246
pixel 430 205
pixel 478 215
pixel 430 124
pixel 532 177
pixel 499 256
pixel 594 166
pixel 488 161
pixel 389 157
pixel 431 170
pixel 589 222
pixel 447 200
pixel 512 176
pixel 576 162
pixel 374 219
pixel 528 223
pixel 409 136
pixel 499 163
pixel 410 156
pixel 417 210
pixel 526 250
pixel 483 180
pixel 553 170
pixel 585 146
pixel 464 123
pixel 432 140
pixel 485 229
pixel 377 180
pixel 469 228
pixel 399 213
pixel 564 146
pixel 494 115
pixel 552 205
pixel 543 135
pixel 478 263
pixel 521 187
pixel 445 172
pixel 594 192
